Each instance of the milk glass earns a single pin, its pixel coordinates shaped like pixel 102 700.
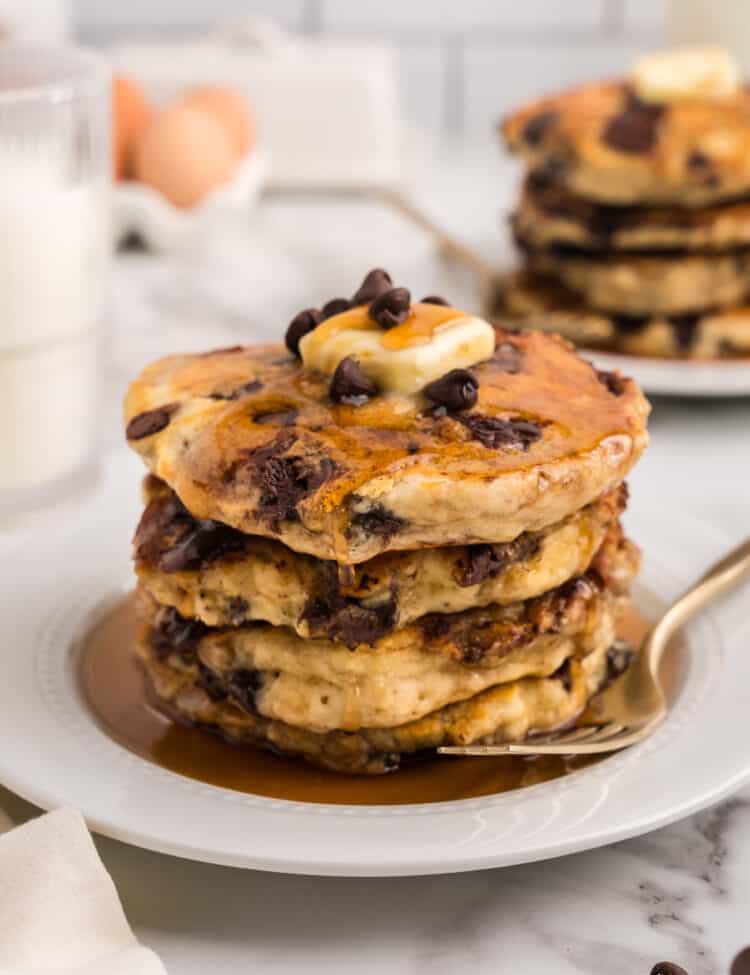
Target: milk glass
pixel 55 244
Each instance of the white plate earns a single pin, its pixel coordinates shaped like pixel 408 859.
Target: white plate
pixel 676 377
pixel 142 210
pixel 54 753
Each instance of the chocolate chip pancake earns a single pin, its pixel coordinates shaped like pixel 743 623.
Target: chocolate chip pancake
pixel 221 577
pixel 550 216
pixel 605 143
pixel 649 284
pixel 540 303
pixel 261 677
pixel 255 439
pixel 504 712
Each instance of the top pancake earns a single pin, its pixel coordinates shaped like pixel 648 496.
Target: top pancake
pixel 603 143
pixel 249 437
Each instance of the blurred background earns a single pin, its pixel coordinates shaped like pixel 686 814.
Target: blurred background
pixel 368 138
pixel 459 65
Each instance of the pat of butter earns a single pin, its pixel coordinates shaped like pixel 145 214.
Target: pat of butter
pixel 404 359
pixel 700 72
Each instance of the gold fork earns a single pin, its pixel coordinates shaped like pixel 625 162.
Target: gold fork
pixel 634 706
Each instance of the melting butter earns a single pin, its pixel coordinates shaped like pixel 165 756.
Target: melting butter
pixel 697 72
pixel 432 340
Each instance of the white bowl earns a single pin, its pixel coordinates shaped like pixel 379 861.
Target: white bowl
pixel 142 211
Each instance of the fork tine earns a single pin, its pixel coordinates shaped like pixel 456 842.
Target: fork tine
pixel 581 733
pixel 585 739
pixel 607 731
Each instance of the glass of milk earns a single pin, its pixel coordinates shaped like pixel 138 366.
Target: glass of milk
pixel 55 175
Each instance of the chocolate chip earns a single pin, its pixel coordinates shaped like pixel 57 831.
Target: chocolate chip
pixel 376 282
pixel 635 130
pixel 335 307
pixel 243 685
pixel 211 683
pixel 456 390
pixel 350 385
pixel 538 126
pixel 209 541
pixel 252 387
pixel 435 626
pixel 151 422
pixel 619 657
pixel 508 357
pixel 283 418
pixel 741 963
pixel 349 622
pixel 377 521
pixel 629 324
pixel 563 675
pixel 435 300
pixel 612 380
pixel 492 431
pixel 391 308
pixel 669 968
pixel 173 633
pixel 685 327
pixel 302 323
pixel 284 480
pixel 482 562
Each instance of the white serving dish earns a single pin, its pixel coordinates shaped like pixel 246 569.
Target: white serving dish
pixel 679 377
pixel 62 756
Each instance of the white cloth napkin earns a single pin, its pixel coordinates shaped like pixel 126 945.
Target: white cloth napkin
pixel 59 910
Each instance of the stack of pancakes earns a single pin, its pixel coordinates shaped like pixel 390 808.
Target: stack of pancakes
pixel 357 579
pixel 634 220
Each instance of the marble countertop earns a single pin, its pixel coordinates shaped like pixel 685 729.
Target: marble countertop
pixel 681 893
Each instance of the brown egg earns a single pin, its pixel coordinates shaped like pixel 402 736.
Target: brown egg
pixel 130 112
pixel 232 110
pixel 184 153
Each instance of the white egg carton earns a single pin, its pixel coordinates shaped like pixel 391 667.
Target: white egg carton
pixel 328 109
pixel 142 212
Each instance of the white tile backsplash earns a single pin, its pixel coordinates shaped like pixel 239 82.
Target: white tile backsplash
pixel 650 14
pixel 499 78
pixel 448 16
pixel 104 19
pixel 421 80
pixel 461 64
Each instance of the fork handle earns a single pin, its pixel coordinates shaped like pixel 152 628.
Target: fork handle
pixel 719 579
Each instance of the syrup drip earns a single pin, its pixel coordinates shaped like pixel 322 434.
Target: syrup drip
pixel 418 329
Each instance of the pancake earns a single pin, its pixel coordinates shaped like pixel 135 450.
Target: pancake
pixel 224 578
pixel 538 303
pixel 549 216
pixel 603 143
pixel 649 284
pixel 250 438
pixel 505 712
pixel 322 686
